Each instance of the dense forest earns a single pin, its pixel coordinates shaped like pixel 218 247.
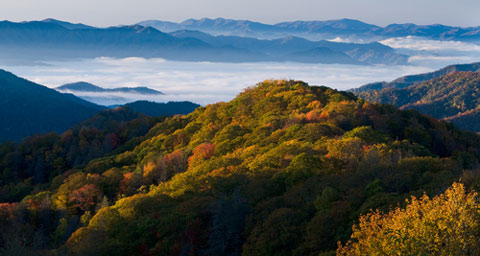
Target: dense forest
pixel 42 161
pixel 453 97
pixel 283 169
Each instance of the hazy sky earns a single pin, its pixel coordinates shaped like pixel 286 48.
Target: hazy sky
pixel 114 12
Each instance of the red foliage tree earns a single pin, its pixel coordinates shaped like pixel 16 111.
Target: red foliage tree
pixel 202 152
pixel 86 197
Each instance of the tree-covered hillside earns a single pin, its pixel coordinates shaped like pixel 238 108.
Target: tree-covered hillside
pixel 283 169
pixel 40 162
pixel 406 81
pixel 453 97
pixel 27 108
pixel 447 224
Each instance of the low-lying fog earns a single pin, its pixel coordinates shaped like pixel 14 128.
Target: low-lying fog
pixel 206 82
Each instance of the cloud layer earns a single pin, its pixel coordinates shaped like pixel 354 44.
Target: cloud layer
pixel 206 82
pixel 200 82
pixel 434 53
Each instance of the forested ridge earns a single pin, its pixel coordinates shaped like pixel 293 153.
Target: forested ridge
pixel 453 97
pixel 283 169
pixel 406 81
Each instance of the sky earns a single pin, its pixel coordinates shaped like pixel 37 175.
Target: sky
pixel 115 12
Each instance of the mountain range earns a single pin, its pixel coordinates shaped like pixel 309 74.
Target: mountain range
pixel 58 40
pixel 302 50
pixel 346 29
pixel 451 94
pixel 218 40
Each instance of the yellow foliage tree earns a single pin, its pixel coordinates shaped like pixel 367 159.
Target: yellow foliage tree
pixel 448 224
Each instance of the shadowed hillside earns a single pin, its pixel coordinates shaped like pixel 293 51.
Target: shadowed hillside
pixel 27 108
pixel 162 109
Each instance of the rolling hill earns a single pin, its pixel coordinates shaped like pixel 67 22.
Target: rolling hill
pixel 283 169
pixel 27 108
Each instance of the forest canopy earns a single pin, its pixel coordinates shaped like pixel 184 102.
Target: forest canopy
pixel 285 168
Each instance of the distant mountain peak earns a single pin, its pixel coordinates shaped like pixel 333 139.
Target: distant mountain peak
pixel 88 87
pixel 52 20
pixel 80 86
pixel 67 25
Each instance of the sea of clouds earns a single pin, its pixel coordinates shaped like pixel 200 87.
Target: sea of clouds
pixel 207 82
pixel 434 53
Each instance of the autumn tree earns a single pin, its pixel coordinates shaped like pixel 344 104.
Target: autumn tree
pixel 201 152
pixel 86 197
pixel 448 224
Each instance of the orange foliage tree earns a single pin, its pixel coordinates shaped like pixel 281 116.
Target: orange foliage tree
pixel 448 224
pixel 202 152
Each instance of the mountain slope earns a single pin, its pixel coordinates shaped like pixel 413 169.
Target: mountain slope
pixel 240 27
pixel 296 49
pixel 283 159
pixel 453 97
pixel 68 25
pixel 339 27
pixel 327 55
pixel 406 81
pixel 283 169
pixel 42 157
pixel 27 108
pixel 218 26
